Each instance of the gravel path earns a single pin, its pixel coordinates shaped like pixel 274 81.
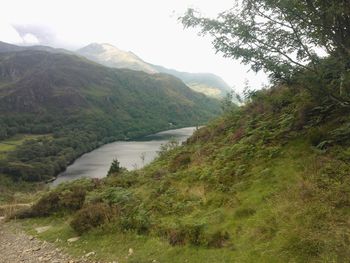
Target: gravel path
pixel 16 246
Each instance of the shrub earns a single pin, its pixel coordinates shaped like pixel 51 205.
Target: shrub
pixel 138 221
pixel 218 239
pixel 46 205
pixel 176 237
pixel 72 199
pixel 244 212
pixel 316 136
pixel 117 196
pixel 237 134
pixel 91 216
pixel 115 168
pixel 56 201
pixel 180 161
pixel 188 233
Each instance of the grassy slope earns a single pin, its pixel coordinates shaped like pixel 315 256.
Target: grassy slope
pixel 273 176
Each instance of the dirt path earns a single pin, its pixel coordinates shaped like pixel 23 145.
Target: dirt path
pixel 16 246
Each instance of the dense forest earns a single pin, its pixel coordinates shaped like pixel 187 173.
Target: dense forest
pixel 77 105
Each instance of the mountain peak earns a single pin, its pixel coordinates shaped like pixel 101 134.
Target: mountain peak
pixel 111 56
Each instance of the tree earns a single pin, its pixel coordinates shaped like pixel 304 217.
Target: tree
pixel 282 37
pixel 115 167
pixel 227 104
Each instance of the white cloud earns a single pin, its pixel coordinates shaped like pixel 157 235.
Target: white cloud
pixel 30 39
pixel 8 33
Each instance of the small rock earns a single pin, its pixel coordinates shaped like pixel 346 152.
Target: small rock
pixel 42 229
pixel 36 249
pixel 31 238
pixel 90 254
pixel 73 239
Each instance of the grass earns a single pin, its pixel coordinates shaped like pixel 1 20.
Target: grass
pixel 247 222
pixel 115 246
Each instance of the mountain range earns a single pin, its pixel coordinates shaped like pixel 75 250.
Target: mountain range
pixel 110 56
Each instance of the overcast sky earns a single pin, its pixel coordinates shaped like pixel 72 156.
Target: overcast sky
pixel 149 28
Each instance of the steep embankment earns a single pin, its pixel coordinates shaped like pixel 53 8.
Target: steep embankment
pixel 268 182
pixel 80 105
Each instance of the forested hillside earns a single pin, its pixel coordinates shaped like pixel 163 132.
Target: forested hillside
pixel 77 105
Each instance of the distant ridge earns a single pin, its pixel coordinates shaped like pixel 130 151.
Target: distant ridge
pixel 110 56
pixel 6 47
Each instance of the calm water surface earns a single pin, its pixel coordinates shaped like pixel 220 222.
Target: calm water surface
pixel 95 164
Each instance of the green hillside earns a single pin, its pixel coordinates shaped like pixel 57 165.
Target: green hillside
pixel 80 105
pixel 267 182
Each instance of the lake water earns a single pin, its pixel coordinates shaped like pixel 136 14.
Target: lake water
pixel 131 155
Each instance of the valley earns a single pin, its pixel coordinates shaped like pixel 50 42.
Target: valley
pixel 82 105
pixel 106 157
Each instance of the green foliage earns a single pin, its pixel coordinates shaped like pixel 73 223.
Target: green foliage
pixel 66 198
pixel 91 216
pixel 265 33
pixel 166 147
pixel 316 136
pixel 244 212
pixel 227 104
pixel 115 167
pixel 282 38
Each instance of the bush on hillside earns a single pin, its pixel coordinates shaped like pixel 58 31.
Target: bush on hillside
pixel 316 136
pixel 91 216
pixel 218 239
pixel 180 161
pixel 60 200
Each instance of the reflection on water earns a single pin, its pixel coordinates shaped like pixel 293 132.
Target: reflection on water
pixel 130 154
